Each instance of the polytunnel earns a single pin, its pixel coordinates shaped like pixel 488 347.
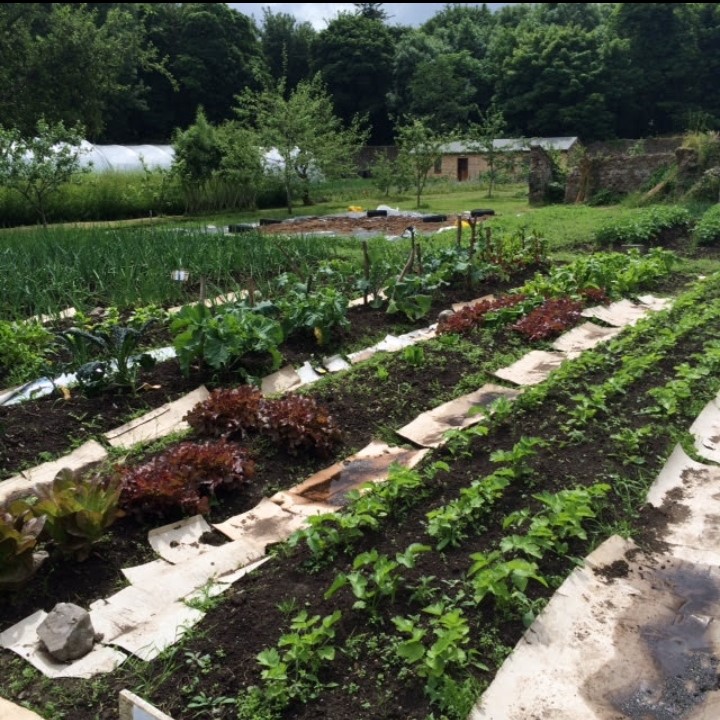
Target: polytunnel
pixel 125 158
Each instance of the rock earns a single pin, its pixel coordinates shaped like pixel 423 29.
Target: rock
pixel 67 632
pixel 445 315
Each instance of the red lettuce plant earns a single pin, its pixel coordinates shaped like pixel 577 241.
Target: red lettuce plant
pixel 184 478
pixel 552 318
pixel 594 296
pixel 299 424
pixel 227 412
pixel 470 317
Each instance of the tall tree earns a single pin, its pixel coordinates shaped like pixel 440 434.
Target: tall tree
pixel 707 22
pixel 443 91
pixel 551 80
pixel 587 16
pixel 412 49
pixel 286 45
pixel 67 62
pixel 373 11
pixel 663 57
pixel 302 127
pixel 213 52
pixel 354 55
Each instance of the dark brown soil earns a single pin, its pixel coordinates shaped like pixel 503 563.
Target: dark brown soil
pixel 366 684
pixel 391 226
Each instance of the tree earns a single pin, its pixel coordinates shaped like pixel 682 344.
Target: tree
pixel 552 80
pixel 662 49
pixel 419 148
pixel 373 11
pixel 71 63
pixel 354 55
pixel 286 47
pixel 481 139
pixel 241 166
pixel 36 167
pixel 443 90
pixel 213 52
pixel 198 155
pixel 304 130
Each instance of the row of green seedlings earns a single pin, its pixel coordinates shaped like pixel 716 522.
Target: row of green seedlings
pixel 593 402
pixel 375 576
pixel 448 524
pixel 631 354
pixel 328 533
pixel 438 646
pixel 75 511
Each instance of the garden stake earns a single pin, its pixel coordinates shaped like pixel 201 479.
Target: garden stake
pixel 366 264
pixel 411 258
pixel 459 231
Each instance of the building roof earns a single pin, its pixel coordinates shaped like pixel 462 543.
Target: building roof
pixel 460 147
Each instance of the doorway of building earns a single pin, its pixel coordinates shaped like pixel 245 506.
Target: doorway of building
pixel 462 169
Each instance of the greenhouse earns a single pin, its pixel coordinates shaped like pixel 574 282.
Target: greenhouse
pixel 125 158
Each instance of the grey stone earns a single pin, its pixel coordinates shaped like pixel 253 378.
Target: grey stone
pixel 67 632
pixel 445 315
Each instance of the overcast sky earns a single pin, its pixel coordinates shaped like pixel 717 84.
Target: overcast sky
pixel 319 14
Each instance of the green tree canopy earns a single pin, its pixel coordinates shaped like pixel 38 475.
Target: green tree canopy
pixel 419 148
pixel 213 52
pixel 354 55
pixel 663 59
pixel 551 81
pixel 68 62
pixel 301 125
pixel 36 165
pixel 286 45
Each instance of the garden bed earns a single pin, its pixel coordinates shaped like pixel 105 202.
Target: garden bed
pixel 367 680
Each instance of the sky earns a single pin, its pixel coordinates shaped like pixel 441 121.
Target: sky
pixel 319 14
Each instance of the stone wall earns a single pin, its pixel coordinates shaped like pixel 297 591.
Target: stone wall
pixel 540 177
pixel 618 174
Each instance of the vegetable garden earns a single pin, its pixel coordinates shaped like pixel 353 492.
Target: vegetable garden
pixel 405 602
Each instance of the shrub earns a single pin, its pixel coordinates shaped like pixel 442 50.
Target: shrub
pixel 23 349
pixel 707 231
pixel 643 227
